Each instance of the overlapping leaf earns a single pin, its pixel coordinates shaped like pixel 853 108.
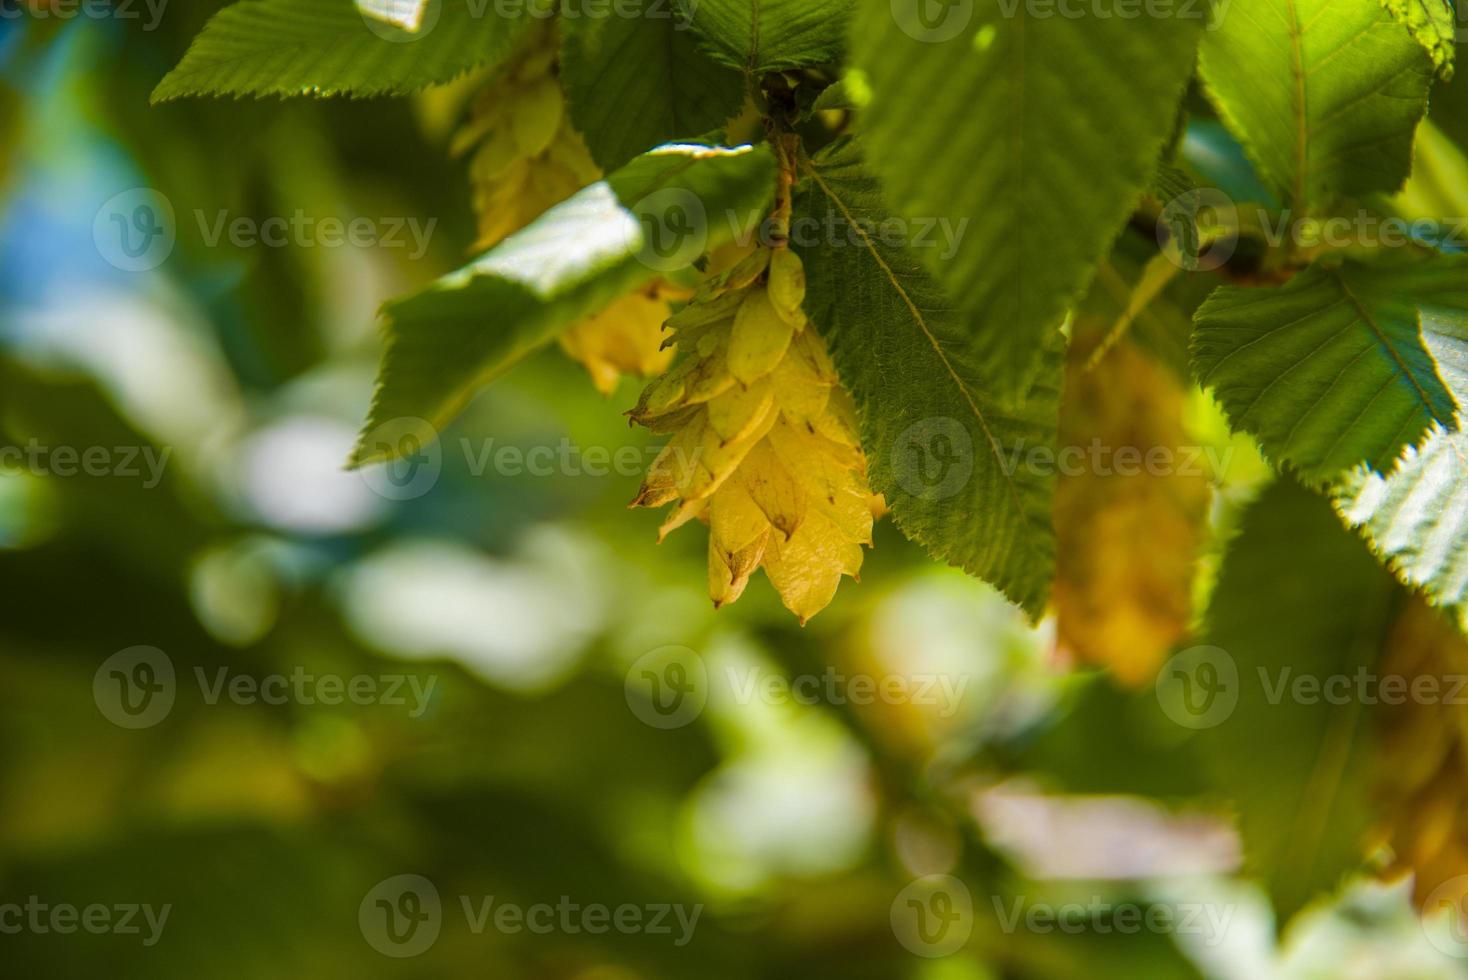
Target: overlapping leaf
pixel 331 47
pixel 1324 95
pixel 636 82
pixel 470 327
pixel 759 36
pixel 1416 519
pixel 1037 133
pixel 1434 24
pixel 1340 366
pixel 952 460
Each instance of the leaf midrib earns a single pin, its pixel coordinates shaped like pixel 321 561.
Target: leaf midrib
pixel 754 16
pixel 1381 338
pixel 1302 121
pixel 922 324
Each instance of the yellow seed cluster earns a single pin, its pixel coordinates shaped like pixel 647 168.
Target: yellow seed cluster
pixel 763 445
pixel 527 159
pixel 527 156
pixel 625 338
pixel 1128 545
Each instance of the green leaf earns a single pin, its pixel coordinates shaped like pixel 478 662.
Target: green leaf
pixel 948 456
pixel 636 82
pixel 758 36
pixel 1296 766
pixel 1416 519
pixel 450 340
pixel 1434 24
pixel 331 47
pixel 1324 96
pixel 1037 133
pixel 1339 366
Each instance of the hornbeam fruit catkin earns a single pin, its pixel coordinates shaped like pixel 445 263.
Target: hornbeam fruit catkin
pixel 763 445
pixel 1423 758
pixel 625 338
pixel 528 158
pixel 527 155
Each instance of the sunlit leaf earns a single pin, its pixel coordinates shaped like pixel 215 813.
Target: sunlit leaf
pixel 447 342
pixel 1416 519
pixel 1325 96
pixel 1434 24
pixel 1341 366
pixel 333 47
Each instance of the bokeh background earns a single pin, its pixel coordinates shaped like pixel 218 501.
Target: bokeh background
pixel 528 601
